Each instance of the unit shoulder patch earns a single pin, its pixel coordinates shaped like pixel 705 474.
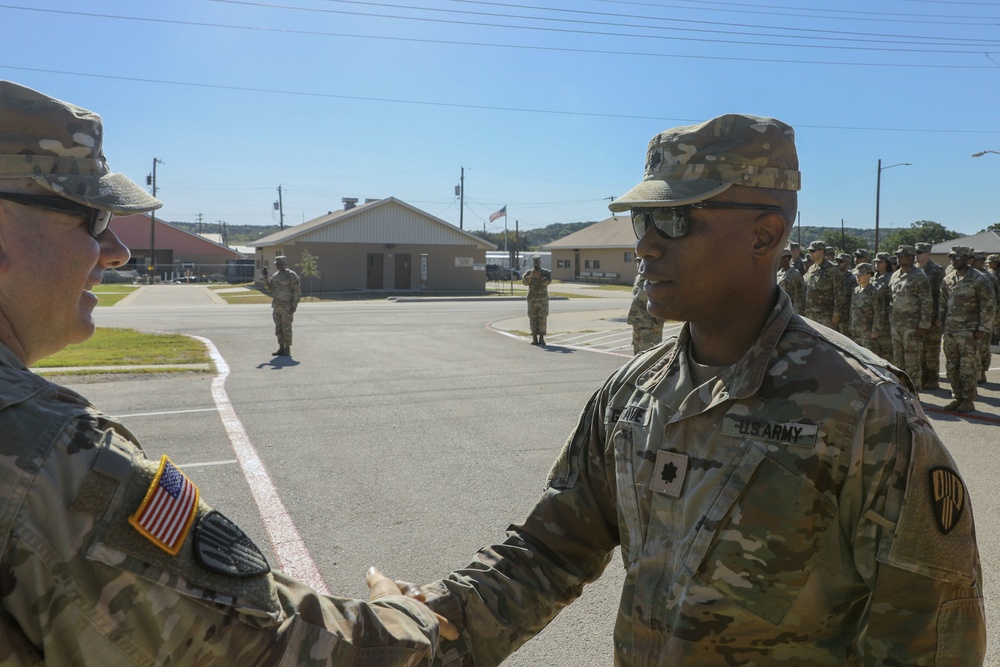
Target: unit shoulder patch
pixel 222 547
pixel 947 496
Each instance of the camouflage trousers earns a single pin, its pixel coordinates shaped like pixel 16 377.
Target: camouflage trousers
pixel 644 338
pixel 931 365
pixel 283 325
pixel 538 313
pixel 985 354
pixel 961 364
pixel 907 353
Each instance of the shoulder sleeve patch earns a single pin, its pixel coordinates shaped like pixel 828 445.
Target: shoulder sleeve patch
pixel 220 546
pixel 947 497
pixel 167 511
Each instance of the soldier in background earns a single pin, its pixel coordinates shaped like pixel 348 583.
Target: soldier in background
pixel 647 329
pixel 968 309
pixel 861 256
pixel 537 279
pixel 993 266
pixel 866 309
pixel 850 282
pixel 790 280
pixel 931 367
pixel 285 291
pixel 90 577
pixel 910 315
pixel 824 288
pixel 881 283
pixel 986 355
pixel 798 261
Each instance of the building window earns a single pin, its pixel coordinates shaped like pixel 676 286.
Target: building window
pixel 597 263
pixel 586 264
pixel 629 257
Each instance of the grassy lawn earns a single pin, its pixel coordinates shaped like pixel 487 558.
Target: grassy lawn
pixel 109 295
pixel 119 347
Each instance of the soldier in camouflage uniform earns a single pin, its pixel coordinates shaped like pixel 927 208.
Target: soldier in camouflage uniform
pixel 647 330
pixel 866 309
pixel 798 261
pixel 986 355
pixel 968 309
pixel 776 491
pixel 861 256
pixel 537 279
pixel 285 291
pixel 850 282
pixel 88 578
pixel 931 365
pixel 993 266
pixel 883 274
pixel 790 280
pixel 910 315
pixel 824 288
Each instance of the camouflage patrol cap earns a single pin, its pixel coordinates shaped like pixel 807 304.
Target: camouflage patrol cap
pixel 862 252
pixel 817 245
pixel 694 162
pixel 882 257
pixel 960 251
pixel 786 252
pixel 843 257
pixel 795 246
pixel 979 254
pixel 830 251
pixel 864 267
pixel 906 250
pixel 280 259
pixel 993 258
pixel 59 146
pixel 923 247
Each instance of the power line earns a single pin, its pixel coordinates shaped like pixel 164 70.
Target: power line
pixel 455 105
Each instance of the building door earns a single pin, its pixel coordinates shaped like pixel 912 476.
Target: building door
pixel 375 261
pixel 402 271
pixel 576 265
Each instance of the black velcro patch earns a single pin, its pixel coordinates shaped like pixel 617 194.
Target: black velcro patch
pixel 948 497
pixel 222 547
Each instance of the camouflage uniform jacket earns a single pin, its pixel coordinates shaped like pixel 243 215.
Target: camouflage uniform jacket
pixel 285 289
pixel 537 281
pixel 935 273
pixel 866 312
pixel 638 315
pixel 911 299
pixel 824 290
pixel 771 515
pixel 967 302
pixel 791 281
pixel 81 586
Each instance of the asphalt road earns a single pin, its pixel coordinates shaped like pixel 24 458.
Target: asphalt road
pixel 409 434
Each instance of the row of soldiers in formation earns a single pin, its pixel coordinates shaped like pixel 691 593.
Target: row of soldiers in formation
pixel 905 307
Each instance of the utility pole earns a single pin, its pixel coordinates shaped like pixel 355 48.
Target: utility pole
pixel 199 224
pixel 461 198
pixel 151 180
pixel 280 208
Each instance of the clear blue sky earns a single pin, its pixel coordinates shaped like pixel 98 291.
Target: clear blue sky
pixel 548 105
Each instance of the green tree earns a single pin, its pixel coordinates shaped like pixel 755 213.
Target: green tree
pixel 995 227
pixel 309 268
pixel 920 231
pixel 843 241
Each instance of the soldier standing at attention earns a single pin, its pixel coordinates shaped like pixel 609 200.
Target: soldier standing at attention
pixel 285 291
pixel 986 355
pixel 537 279
pixel 824 288
pixel 866 309
pixel 790 280
pixel 91 577
pixel 798 262
pixel 883 271
pixel 770 489
pixel 850 282
pixel 910 315
pixel 993 266
pixel 647 330
pixel 861 256
pixel 931 365
pixel 967 313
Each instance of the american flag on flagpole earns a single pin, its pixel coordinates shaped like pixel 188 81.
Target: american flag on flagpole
pixel 502 213
pixel 167 511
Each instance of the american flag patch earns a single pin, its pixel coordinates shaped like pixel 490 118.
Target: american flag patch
pixel 168 510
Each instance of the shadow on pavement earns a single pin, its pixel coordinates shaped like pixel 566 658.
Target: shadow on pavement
pixel 278 363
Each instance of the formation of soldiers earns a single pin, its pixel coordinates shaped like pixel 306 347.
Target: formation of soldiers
pixel 905 307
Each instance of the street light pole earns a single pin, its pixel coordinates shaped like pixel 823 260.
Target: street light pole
pixel 878 192
pixel 982 153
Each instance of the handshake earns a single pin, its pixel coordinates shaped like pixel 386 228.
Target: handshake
pixel 381 586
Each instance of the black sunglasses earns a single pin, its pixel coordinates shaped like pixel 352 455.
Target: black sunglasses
pixel 97 219
pixel 673 222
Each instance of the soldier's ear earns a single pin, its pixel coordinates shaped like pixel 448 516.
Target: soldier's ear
pixel 769 234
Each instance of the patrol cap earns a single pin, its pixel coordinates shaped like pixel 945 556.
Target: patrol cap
pixel 993 258
pixel 923 247
pixel 830 251
pixel 280 259
pixel 882 257
pixel 694 162
pixel 843 257
pixel 864 267
pixel 59 146
pixel 786 252
pixel 980 254
pixel 794 246
pixel 960 251
pixel 862 252
pixel 817 245
pixel 536 259
pixel 907 250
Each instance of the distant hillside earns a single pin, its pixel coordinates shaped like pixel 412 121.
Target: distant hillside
pixel 232 234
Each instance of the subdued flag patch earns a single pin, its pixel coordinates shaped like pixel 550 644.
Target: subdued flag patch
pixel 948 496
pixel 167 512
pixel 222 547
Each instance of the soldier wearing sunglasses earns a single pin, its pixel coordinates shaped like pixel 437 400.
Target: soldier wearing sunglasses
pixel 91 574
pixel 770 485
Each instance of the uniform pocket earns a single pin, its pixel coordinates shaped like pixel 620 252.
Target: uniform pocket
pixel 757 541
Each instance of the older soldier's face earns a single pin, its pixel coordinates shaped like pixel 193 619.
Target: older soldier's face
pixel 49 262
